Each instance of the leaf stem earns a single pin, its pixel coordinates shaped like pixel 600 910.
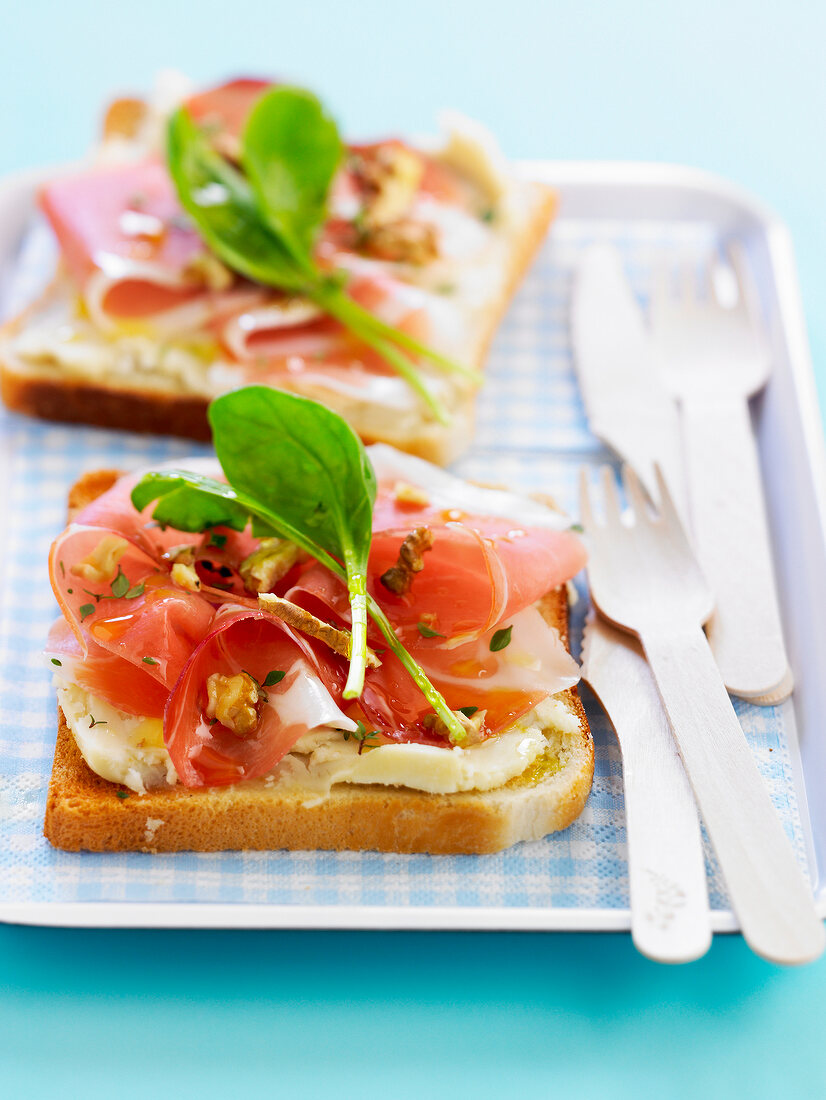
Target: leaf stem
pixel 417 673
pixel 361 602
pixel 357 586
pixel 338 307
pixel 350 307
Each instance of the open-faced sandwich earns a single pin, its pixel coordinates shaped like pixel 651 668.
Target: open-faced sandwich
pixel 231 238
pixel 310 645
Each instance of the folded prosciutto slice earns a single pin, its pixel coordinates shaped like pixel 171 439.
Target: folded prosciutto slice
pixel 482 575
pixel 255 649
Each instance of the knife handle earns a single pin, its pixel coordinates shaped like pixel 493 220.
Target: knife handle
pixel 666 867
pixel 731 536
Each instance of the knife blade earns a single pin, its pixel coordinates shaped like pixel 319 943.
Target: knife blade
pixel 628 407
pixel 670 918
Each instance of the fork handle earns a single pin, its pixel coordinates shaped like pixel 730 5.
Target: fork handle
pixel 767 889
pixel 731 535
pixel 670 920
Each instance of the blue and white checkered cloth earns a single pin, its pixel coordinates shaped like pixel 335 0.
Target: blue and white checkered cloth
pixel 532 433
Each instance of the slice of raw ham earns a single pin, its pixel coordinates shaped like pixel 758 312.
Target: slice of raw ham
pixel 206 753
pixel 494 556
pixel 505 685
pixel 155 624
pixel 114 511
pixel 123 222
pixel 120 683
pixel 227 106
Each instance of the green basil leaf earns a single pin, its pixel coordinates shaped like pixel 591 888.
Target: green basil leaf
pixel 120 585
pixel 427 631
pixel 321 488
pixel 221 203
pixel 290 150
pixel 192 502
pixel 321 484
pixel 274 677
pixel 501 639
pixel 86 610
pixel 468 711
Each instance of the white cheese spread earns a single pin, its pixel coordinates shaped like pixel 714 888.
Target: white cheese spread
pixel 126 749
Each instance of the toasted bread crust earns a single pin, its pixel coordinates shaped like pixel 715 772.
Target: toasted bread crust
pixel 50 397
pixel 84 811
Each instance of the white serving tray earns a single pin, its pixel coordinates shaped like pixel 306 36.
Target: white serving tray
pixel 592 197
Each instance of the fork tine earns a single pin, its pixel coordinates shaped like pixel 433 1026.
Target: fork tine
pixel 635 494
pixel 688 285
pixel 665 504
pixel 613 509
pixel 660 296
pixel 708 278
pixel 586 514
pixel 747 293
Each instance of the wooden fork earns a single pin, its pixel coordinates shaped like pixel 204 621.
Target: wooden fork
pixel 644 578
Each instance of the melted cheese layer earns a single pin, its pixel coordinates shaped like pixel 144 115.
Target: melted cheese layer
pixel 129 750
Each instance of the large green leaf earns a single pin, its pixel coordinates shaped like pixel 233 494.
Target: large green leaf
pixel 221 203
pixel 290 150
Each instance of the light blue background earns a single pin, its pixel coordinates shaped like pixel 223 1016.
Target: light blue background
pixel 735 87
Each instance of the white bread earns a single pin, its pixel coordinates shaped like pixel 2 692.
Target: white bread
pixel 85 812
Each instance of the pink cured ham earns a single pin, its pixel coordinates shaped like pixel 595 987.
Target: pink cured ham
pixel 217 552
pixel 482 574
pixel 206 753
pixel 123 221
pixel 114 511
pixel 134 257
pixel 228 105
pixel 93 668
pixel 154 625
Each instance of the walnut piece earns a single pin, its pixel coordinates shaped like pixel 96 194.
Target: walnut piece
pixel 399 577
pixel 402 242
pixel 267 565
pixel 101 564
pixel 390 178
pixel 473 727
pixel 233 701
pixel 300 619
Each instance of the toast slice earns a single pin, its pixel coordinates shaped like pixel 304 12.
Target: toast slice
pixel 141 391
pixel 87 812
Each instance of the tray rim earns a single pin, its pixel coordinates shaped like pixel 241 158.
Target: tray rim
pixel 170 915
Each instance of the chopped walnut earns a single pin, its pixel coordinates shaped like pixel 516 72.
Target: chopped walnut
pixel 412 495
pixel 124 118
pixel 233 701
pixel 228 145
pixel 207 269
pixel 399 577
pixel 402 242
pixel 183 554
pixel 101 565
pixel 300 619
pixel 390 178
pixel 472 726
pixel 186 577
pixel 267 565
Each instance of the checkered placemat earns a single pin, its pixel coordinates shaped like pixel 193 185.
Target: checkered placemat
pixel 531 433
